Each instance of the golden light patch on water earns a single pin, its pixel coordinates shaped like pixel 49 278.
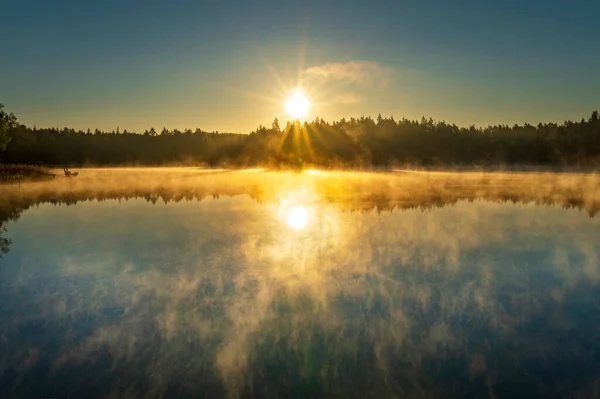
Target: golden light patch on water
pixel 297 217
pixel 295 208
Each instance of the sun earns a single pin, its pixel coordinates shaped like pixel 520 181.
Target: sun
pixel 297 105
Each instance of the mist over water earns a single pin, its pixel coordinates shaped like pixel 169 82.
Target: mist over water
pixel 192 283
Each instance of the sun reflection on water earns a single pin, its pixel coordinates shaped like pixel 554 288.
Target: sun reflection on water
pixel 297 217
pixel 296 209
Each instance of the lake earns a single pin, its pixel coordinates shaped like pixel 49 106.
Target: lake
pixel 175 283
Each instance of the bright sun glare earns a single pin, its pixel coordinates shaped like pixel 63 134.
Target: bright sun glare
pixel 297 217
pixel 297 105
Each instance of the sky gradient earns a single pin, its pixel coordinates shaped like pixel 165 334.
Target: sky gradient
pixel 229 65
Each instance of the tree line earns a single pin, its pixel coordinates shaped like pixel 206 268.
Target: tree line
pixel 354 142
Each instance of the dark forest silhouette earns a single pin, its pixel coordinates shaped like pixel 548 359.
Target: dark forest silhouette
pixel 354 142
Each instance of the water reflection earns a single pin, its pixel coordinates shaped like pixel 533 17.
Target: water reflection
pixel 297 217
pixel 378 295
pixel 293 209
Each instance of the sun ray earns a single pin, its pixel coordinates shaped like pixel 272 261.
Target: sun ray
pixel 273 72
pixel 307 140
pixel 303 47
pixel 296 138
pixel 284 136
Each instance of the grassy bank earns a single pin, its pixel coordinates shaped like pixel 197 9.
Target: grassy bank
pixel 11 172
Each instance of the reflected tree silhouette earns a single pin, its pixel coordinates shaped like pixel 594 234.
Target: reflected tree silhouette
pixel 8 212
pixel 4 243
pixel 349 191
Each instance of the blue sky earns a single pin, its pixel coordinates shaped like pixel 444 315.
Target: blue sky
pixel 229 65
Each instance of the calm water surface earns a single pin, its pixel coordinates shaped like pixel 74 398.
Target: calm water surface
pixel 272 284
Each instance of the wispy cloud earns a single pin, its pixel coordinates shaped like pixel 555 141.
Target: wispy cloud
pixel 348 99
pixel 366 73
